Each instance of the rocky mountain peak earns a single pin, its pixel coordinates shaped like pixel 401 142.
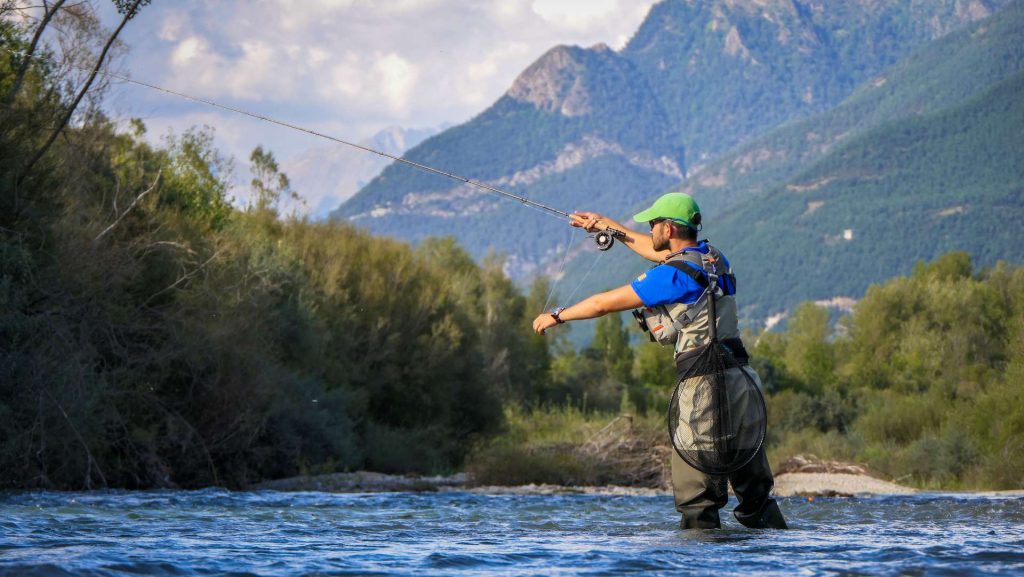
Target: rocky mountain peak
pixel 554 83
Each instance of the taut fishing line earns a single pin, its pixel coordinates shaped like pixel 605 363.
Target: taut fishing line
pixel 561 267
pixel 593 264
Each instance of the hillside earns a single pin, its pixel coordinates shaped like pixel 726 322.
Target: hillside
pixel 600 129
pixel 944 73
pixel 907 191
pixel 729 70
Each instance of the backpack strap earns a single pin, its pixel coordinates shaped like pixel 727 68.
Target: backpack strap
pixel 701 277
pixel 698 276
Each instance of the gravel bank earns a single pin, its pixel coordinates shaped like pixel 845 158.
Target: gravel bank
pixel 786 485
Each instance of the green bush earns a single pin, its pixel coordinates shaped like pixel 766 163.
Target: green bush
pixel 901 419
pixel 554 464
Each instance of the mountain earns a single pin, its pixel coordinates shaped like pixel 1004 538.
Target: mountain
pixel 729 70
pixel 327 176
pixel 922 158
pixel 601 130
pixel 944 73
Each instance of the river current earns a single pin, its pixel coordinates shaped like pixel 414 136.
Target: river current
pixel 217 532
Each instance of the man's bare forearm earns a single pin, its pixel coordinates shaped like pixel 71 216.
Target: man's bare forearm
pixel 621 299
pixel 639 243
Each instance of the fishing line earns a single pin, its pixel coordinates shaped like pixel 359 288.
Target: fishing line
pixel 561 268
pixel 604 238
pixel 582 280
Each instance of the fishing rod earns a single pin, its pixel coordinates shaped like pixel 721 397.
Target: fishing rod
pixel 604 238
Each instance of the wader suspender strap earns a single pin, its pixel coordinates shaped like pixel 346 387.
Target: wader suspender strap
pixel 702 279
pixel 697 276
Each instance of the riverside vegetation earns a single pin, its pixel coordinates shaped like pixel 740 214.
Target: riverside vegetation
pixel 922 383
pixel 152 335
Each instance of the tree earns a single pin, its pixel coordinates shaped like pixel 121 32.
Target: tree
pixel 809 355
pixel 129 8
pixel 269 185
pixel 654 372
pixel 197 179
pixel 48 12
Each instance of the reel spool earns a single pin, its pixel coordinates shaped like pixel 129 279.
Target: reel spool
pixel 604 240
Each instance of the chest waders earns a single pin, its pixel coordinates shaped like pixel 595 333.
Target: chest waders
pixel 717 418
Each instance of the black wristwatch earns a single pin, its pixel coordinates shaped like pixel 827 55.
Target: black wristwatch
pixel 555 313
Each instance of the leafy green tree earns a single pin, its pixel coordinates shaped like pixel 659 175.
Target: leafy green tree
pixel 654 373
pixel 808 354
pixel 197 178
pixel 269 185
pixel 611 341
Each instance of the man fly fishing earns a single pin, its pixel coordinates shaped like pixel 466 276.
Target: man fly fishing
pixel 692 282
pixel 679 294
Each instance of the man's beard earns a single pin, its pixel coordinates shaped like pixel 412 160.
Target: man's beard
pixel 660 244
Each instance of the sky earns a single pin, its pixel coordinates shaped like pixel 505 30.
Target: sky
pixel 348 68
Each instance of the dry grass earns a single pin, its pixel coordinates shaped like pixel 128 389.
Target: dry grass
pixel 564 446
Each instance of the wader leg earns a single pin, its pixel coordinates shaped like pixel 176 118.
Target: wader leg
pixel 753 485
pixel 698 496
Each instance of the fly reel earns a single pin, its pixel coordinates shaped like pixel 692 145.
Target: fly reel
pixel 606 238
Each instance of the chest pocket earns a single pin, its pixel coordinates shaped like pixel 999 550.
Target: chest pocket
pixel 664 322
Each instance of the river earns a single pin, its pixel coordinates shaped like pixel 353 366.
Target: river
pixel 217 532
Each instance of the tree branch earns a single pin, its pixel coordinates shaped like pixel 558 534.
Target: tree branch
pixel 90 461
pixel 183 278
pixel 48 13
pixel 127 210
pixel 128 14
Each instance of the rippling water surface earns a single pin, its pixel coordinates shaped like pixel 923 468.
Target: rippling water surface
pixel 216 532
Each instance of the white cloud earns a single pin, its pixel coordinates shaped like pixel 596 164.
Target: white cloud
pixel 188 51
pixel 397 78
pixel 173 26
pixel 580 14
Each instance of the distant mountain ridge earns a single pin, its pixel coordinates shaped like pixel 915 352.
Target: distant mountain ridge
pixel 944 73
pixel 576 120
pixel 327 176
pixel 728 70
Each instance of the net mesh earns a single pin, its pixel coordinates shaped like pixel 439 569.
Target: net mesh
pixel 717 418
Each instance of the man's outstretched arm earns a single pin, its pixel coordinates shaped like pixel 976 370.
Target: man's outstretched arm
pixel 613 301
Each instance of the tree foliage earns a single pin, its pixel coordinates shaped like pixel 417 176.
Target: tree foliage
pixel 155 336
pixel 925 385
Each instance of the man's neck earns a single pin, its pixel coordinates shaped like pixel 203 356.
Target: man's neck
pixel 678 244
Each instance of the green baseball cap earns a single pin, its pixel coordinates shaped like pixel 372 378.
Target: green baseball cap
pixel 677 206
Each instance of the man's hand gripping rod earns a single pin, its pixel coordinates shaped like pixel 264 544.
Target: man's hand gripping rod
pixel 605 237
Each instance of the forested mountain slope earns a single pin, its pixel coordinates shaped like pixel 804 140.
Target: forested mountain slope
pixel 907 191
pixel 944 73
pixel 727 71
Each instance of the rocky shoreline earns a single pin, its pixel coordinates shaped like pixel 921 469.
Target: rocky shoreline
pixel 810 484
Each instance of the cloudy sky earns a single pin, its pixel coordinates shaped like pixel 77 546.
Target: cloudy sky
pixel 344 67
